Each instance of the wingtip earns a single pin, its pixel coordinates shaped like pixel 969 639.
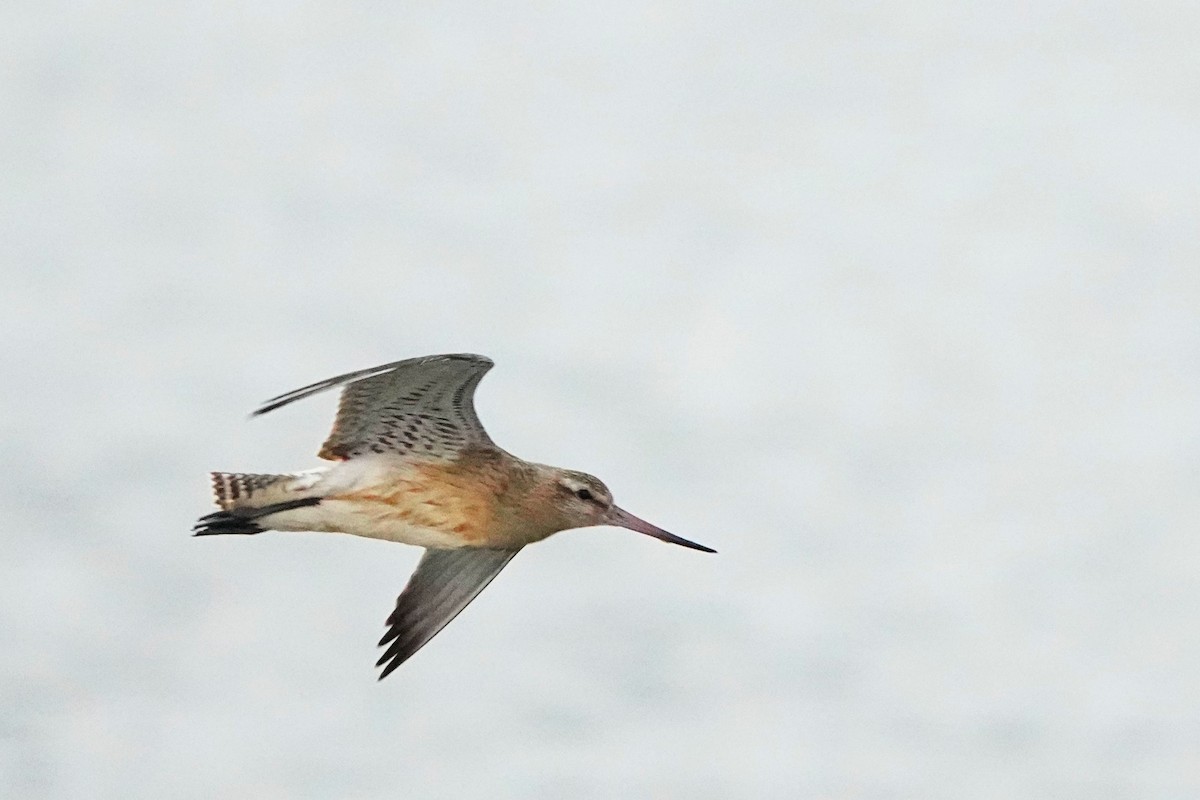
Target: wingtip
pixel 264 408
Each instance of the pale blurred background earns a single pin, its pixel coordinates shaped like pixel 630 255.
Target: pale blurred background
pixel 896 305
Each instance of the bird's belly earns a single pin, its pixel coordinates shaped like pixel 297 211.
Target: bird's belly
pixel 423 505
pixel 373 520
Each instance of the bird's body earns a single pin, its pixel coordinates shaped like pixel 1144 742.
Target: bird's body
pixel 483 500
pixel 412 464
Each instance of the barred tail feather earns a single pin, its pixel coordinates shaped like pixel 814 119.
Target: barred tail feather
pixel 243 489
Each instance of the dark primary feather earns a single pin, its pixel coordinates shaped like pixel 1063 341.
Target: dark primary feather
pixel 444 583
pixel 242 520
pixel 420 406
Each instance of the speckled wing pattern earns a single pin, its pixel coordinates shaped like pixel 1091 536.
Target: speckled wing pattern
pixel 421 406
pixel 444 583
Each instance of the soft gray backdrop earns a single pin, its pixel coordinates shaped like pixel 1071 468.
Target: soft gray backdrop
pixel 896 305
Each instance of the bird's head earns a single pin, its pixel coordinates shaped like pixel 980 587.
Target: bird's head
pixel 580 500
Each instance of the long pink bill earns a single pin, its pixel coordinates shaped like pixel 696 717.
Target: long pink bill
pixel 623 519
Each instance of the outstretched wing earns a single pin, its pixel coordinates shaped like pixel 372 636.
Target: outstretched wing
pixel 422 406
pixel 444 583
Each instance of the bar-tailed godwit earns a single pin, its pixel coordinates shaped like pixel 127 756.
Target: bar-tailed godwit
pixel 414 465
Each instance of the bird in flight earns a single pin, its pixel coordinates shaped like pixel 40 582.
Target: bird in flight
pixel 414 465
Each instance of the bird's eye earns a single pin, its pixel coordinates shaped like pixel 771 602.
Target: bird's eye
pixel 583 494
